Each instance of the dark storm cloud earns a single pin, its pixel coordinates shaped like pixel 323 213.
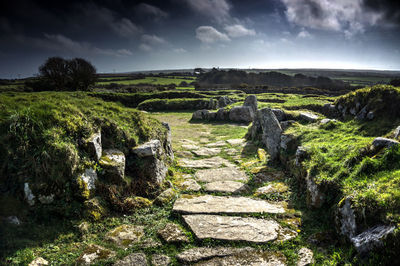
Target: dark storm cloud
pixel 389 8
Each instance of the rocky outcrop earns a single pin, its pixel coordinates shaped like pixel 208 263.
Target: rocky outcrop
pixel 239 114
pixel 379 143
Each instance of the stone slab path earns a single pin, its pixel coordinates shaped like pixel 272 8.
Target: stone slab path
pixel 219 204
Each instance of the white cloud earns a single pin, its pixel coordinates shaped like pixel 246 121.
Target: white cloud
pixel 218 10
pixel 239 30
pixel 154 11
pixel 208 34
pixel 349 17
pixel 145 47
pixel 125 28
pixel 303 34
pixel 180 51
pixel 61 43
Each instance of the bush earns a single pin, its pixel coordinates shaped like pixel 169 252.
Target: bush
pixel 60 74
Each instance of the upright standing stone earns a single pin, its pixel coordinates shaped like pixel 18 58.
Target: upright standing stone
pixel 251 101
pixel 271 131
pixel 94 145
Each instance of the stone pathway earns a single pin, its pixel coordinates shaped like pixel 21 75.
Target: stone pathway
pixel 225 210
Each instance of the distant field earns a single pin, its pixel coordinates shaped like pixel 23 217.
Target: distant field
pixel 148 80
pixel 361 81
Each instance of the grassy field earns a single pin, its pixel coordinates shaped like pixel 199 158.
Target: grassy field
pixel 149 80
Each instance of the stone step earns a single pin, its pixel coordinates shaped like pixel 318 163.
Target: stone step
pixel 230 256
pixel 221 174
pixel 213 162
pixel 228 205
pixel 233 228
pixel 226 187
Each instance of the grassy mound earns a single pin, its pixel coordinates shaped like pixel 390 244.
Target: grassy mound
pixel 177 104
pixel 341 156
pixel 43 135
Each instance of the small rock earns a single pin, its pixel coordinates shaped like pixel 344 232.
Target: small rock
pixel 13 220
pixel 310 117
pixel 131 204
pixel 212 162
pixel 39 261
pixel 272 188
pixel 396 133
pixel 191 185
pixel 95 209
pixel 347 219
pixel 30 198
pixel 379 143
pixel 370 115
pixel 286 234
pixel 165 197
pixel 286 124
pixel 160 260
pixel 87 182
pixel 172 233
pixel 305 257
pixel 113 164
pixel 125 235
pixel 134 259
pixel 84 227
pixel 150 243
pixel 94 252
pixel 94 145
pixel 326 121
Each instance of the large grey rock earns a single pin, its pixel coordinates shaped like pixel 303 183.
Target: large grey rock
pixel 363 113
pixel 204 151
pixel 315 195
pixel 221 174
pixel 280 114
pixel 94 146
pixel 219 204
pixel 251 101
pixel 305 257
pixel 134 259
pixel 29 196
pixel 241 114
pixel 12 220
pixel 152 168
pixel 226 187
pixel 271 136
pixel 380 142
pixel 87 181
pixel 212 162
pixel 113 164
pixel 310 117
pixel 200 114
pixel 148 149
pixel 232 228
pixel 172 233
pixel 372 238
pixel 125 235
pixel 347 219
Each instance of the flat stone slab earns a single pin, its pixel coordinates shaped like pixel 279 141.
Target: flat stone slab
pixel 212 162
pixel 232 228
pixel 221 204
pixel 173 233
pixel 235 142
pixel 207 151
pixel 221 174
pixel 220 143
pixel 160 260
pixel 305 257
pixel 191 185
pixel 230 256
pixel 226 187
pixel 190 147
pixel 231 151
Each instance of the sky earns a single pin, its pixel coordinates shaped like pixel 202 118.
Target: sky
pixel 129 35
